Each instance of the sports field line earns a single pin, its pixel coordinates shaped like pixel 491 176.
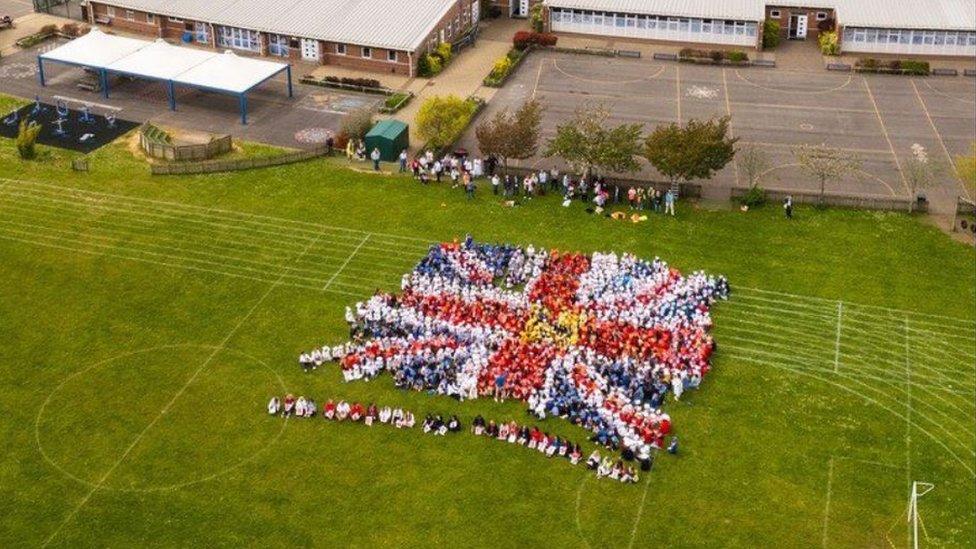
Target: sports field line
pixel 170 214
pixel 307 225
pixel 346 262
pixel 785 361
pixel 830 488
pixel 220 347
pixel 807 373
pixel 640 513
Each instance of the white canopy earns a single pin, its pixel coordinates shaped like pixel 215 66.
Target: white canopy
pixel 229 72
pixel 95 49
pixel 159 60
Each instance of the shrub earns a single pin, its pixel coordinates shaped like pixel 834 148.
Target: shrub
pixel 444 52
pixel 737 56
pixel 26 138
pixel 48 29
pixel 827 25
pixel 357 123
pixel 917 68
pixel 393 101
pixel 754 197
pixel 868 63
pixel 341 141
pixel 771 34
pixel 716 56
pixel 70 29
pixel 535 18
pixel 442 119
pixel 523 39
pixel 429 65
pixel 501 68
pixel 829 43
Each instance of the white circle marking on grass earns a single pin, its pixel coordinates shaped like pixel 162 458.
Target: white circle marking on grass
pixel 169 487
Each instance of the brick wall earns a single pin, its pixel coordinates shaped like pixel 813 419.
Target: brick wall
pixel 784 18
pixel 129 20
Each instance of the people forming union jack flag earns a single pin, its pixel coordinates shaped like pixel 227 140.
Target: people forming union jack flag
pixel 597 339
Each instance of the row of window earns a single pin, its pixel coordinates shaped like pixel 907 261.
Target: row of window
pixel 776 14
pixel 908 36
pixel 367 53
pixel 653 22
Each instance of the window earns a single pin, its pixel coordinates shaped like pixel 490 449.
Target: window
pixel 367 53
pixel 110 11
pixel 277 45
pixel 775 14
pixel 821 16
pixel 241 39
pixel 751 29
pixel 150 18
pixel 130 15
pixel 706 26
pixel 200 33
pixel 683 25
pixel 340 49
pixel 174 20
pixel 620 20
pixel 391 56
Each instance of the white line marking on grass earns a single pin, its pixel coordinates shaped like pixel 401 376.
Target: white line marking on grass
pixel 166 408
pixel 579 498
pixel 346 262
pixel 640 512
pixel 840 320
pixel 909 408
pixel 830 487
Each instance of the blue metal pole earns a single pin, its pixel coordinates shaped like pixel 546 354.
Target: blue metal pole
pixel 244 109
pixel 104 76
pixel 171 89
pixel 288 71
pixel 40 70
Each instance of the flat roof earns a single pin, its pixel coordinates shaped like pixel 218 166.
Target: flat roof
pixel 229 72
pixel 893 14
pixel 398 25
pixel 160 60
pixel 95 49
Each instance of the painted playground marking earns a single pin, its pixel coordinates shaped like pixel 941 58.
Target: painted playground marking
pixel 168 487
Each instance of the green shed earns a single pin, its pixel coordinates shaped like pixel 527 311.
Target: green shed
pixel 390 137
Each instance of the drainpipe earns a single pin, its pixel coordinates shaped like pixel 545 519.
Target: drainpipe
pixel 410 59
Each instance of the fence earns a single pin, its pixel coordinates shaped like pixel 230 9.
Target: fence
pixel 217 166
pixel 183 153
pixel 840 200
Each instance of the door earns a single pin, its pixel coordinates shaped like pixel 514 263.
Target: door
pixel 523 8
pixel 801 27
pixel 310 49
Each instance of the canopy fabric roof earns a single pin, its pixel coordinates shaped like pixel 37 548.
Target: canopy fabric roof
pixel 160 60
pixel 95 49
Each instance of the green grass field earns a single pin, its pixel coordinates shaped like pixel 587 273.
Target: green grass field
pixel 146 321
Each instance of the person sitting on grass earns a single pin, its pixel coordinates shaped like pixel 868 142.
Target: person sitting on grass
pixel 386 414
pixel 593 461
pixel 407 421
pixel 274 406
pixel 310 408
pixel 454 424
pixel 342 410
pixel 356 411
pixel 371 414
pixel 575 454
pixel 478 425
pixel 289 404
pixel 329 410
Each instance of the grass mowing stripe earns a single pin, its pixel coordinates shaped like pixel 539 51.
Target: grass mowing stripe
pixel 168 405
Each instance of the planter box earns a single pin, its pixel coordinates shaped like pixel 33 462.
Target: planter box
pixel 341 86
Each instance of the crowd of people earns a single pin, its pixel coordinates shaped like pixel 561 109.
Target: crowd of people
pixel 532 438
pixel 600 340
pixel 302 407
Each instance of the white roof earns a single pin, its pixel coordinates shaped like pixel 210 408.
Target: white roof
pixel 95 49
pixel 393 24
pixel 162 61
pixel 894 14
pixel 229 72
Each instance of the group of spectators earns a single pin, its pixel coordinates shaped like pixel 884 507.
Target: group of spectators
pixel 599 340
pixel 532 438
pixel 341 411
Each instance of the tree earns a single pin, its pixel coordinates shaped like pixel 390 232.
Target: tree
pixel 695 151
pixel 509 135
pixel 966 168
pixel 920 173
pixel 442 118
pixel 585 143
pixel 754 163
pixel 771 34
pixel 357 124
pixel 26 138
pixel 826 164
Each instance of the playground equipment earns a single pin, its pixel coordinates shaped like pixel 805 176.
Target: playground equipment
pixel 13 118
pixel 86 115
pixel 59 129
pixel 38 107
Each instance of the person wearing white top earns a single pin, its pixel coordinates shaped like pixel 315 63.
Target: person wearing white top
pixel 274 405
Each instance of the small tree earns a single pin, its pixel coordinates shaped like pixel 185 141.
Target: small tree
pixel 771 34
pixel 695 151
pixel 535 18
pixel 509 135
pixel 826 164
pixel 920 172
pixel 441 119
pixel 966 168
pixel 754 163
pixel 357 124
pixel 586 143
pixel 26 138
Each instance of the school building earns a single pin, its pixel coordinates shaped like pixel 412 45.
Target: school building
pixel 902 27
pixel 375 35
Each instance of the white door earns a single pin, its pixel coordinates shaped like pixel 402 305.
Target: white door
pixel 310 49
pixel 801 27
pixel 524 8
pixel 475 12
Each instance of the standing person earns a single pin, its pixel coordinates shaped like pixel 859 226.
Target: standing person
pixel 438 170
pixel 632 197
pixel 641 194
pixel 403 160
pixel 375 156
pixel 788 206
pixel 669 202
pixel 495 181
pixel 469 185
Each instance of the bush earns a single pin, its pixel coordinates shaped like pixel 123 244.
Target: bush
pixel 48 29
pixel 357 123
pixel 394 100
pixel 535 18
pixel 444 52
pixel 523 39
pixel 341 141
pixel 429 65
pixel 916 68
pixel 737 56
pixel 827 25
pixel 26 138
pixel 70 29
pixel 754 197
pixel 771 34
pixel 829 43
pixel 868 63
pixel 501 68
